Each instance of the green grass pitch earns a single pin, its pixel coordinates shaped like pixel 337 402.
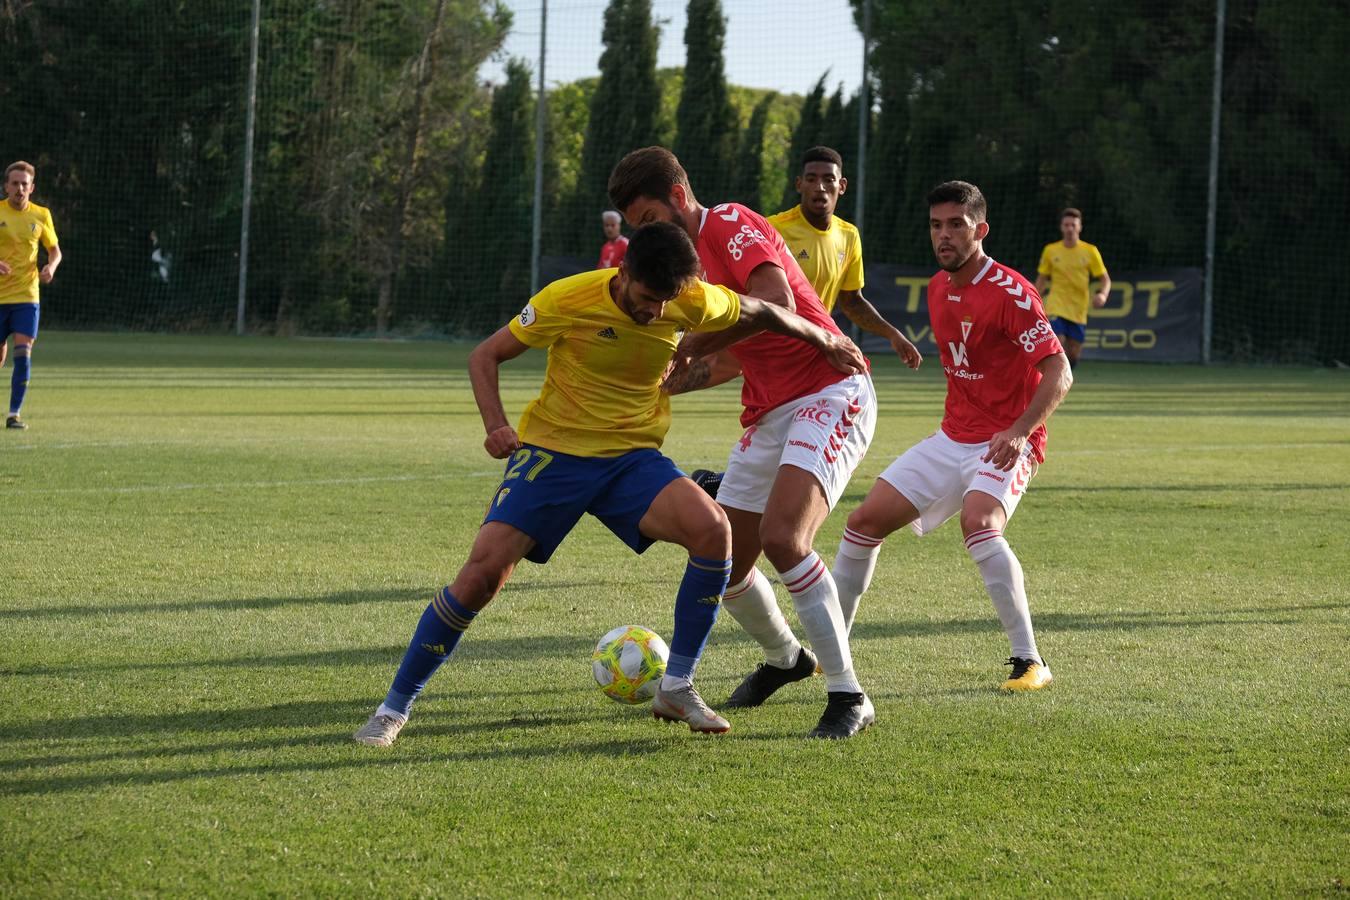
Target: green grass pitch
pixel 217 548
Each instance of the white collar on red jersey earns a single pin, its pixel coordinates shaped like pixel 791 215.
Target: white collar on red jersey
pixel 703 217
pixel 988 264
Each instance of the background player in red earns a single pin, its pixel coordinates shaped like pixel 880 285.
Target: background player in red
pixel 1006 373
pixel 615 245
pixel 807 427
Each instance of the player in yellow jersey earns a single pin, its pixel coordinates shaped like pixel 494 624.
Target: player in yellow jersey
pixel 589 444
pixel 829 249
pixel 23 226
pixel 1067 268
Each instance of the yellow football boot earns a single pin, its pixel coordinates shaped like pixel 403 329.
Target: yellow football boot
pixel 1027 675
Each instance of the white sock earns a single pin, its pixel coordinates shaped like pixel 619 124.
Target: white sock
pixel 817 603
pixel 852 572
pixel 675 682
pixel 389 711
pixel 752 603
pixel 1002 575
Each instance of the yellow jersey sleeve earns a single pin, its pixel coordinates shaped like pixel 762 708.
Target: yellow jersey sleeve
pixel 1044 267
pixel 853 261
pixel 710 307
pixel 48 229
pixel 1096 267
pixel 541 322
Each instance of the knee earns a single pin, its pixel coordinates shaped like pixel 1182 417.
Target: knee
pixel 863 521
pixel 784 546
pixel 710 534
pixel 973 521
pixel 479 581
pixel 23 348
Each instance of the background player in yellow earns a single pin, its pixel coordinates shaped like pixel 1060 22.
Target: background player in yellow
pixel 829 249
pixel 1067 268
pixel 23 225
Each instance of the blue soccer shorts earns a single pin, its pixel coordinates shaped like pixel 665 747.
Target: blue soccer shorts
pixel 1065 329
pixel 544 493
pixel 18 318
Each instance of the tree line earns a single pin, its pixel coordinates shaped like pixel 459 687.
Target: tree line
pixel 393 189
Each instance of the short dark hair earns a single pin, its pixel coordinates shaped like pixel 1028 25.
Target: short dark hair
pixel 1071 213
pixel 649 172
pixel 661 258
pixel 822 154
pixel 962 193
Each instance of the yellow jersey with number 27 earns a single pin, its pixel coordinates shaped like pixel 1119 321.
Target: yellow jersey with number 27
pixel 602 386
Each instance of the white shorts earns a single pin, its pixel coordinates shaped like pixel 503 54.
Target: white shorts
pixel 825 433
pixel 936 474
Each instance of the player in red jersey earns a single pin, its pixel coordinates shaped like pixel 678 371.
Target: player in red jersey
pixel 1006 373
pixel 806 428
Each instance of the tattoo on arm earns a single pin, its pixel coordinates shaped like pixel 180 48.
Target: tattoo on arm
pixel 866 317
pixel 691 379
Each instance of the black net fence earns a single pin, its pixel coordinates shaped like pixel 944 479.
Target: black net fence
pixel 394 149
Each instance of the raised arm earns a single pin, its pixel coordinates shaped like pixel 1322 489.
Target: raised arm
pixel 484 362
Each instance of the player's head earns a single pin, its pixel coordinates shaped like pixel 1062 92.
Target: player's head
pixel 650 185
pixel 660 263
pixel 610 220
pixel 821 182
pixel 956 222
pixel 19 183
pixel 1071 225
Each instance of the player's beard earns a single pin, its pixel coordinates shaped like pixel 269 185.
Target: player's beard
pixel 956 263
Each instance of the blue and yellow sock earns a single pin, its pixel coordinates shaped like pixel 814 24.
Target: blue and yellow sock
pixel 18 382
pixel 696 606
pixel 438 631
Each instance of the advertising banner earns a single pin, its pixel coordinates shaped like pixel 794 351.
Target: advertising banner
pixel 1150 315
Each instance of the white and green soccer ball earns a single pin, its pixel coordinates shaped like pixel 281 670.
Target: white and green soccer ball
pixel 628 663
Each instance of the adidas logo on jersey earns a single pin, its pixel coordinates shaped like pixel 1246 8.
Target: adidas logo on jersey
pixel 608 334
pixel 802 254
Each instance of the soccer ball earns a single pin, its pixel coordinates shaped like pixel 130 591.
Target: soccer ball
pixel 628 663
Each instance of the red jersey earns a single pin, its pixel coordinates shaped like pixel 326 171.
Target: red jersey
pixel 734 240
pixel 990 334
pixel 611 253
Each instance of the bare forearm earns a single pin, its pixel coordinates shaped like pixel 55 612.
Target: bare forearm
pixel 863 314
pixel 483 376
pixel 762 316
pixel 1056 379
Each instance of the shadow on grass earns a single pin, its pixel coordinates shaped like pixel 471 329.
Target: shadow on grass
pixel 340 598
pixel 345 716
pixel 353 756
pixel 533 647
pixel 1219 487
pixel 1113 621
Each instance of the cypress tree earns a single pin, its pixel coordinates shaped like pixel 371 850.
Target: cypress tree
pixel 807 134
pixel 706 123
pixel 749 164
pixel 623 111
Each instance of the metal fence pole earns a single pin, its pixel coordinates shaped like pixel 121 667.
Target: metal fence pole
pixel 540 123
pixel 248 167
pixel 1212 215
pixel 864 120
